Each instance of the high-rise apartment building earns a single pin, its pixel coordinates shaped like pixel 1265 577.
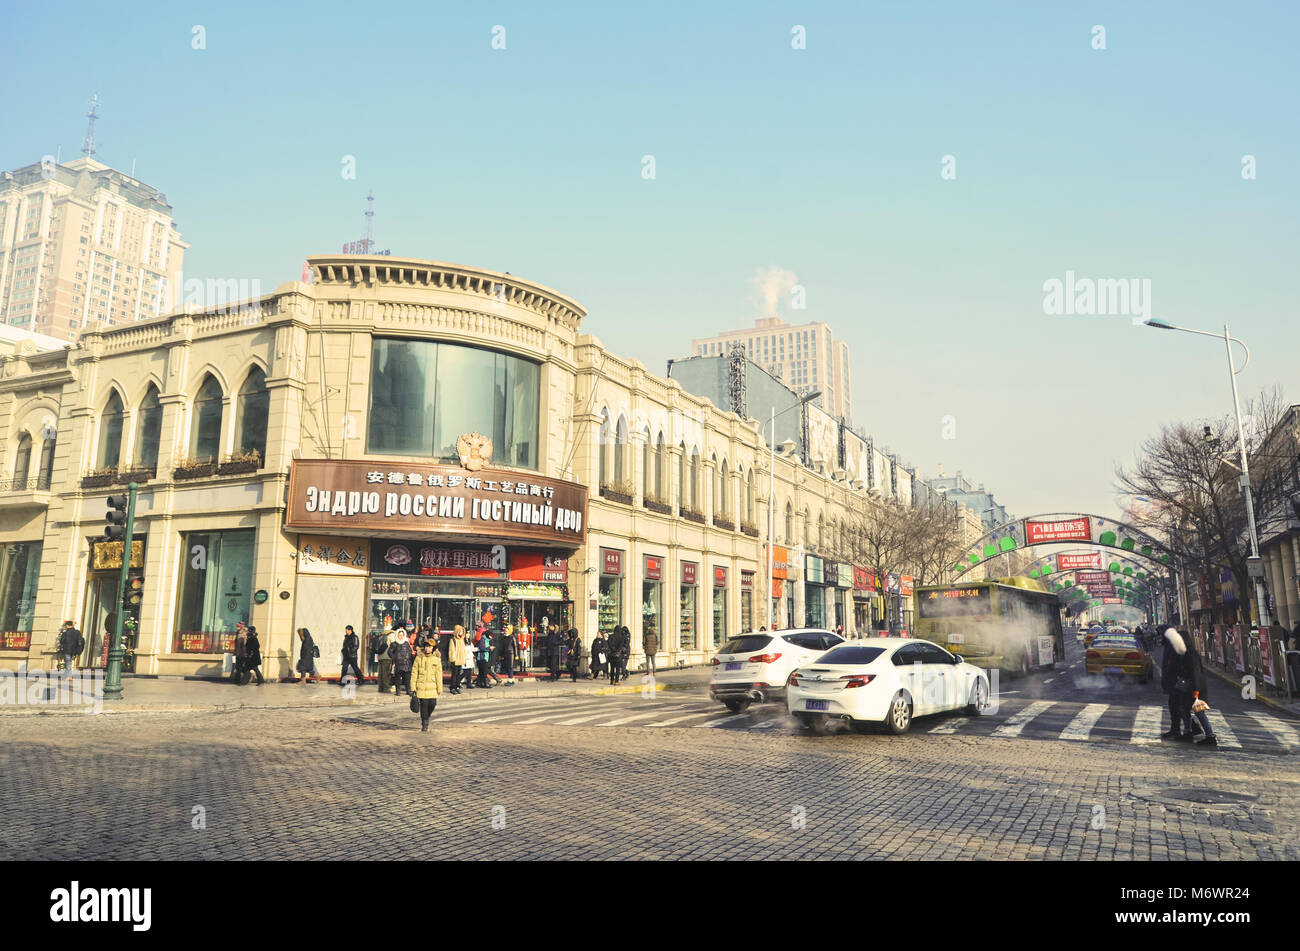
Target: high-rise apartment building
pixel 805 357
pixel 81 243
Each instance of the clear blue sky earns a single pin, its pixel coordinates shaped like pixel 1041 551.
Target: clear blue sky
pixel 1122 163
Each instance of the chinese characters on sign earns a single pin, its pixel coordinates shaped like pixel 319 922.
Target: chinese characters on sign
pixel 326 555
pixel 1075 529
pixel 1067 562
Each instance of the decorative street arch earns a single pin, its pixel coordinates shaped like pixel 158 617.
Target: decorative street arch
pixel 1059 529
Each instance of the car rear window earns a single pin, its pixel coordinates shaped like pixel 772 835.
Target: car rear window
pixel 745 643
pixel 1115 640
pixel 848 654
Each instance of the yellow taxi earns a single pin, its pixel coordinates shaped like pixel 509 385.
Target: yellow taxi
pixel 1119 655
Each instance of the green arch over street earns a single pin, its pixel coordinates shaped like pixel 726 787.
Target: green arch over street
pixel 1063 529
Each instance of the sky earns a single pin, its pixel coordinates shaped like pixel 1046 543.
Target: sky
pixel 924 170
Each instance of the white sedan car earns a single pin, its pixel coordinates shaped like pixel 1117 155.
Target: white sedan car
pixel 886 681
pixel 753 667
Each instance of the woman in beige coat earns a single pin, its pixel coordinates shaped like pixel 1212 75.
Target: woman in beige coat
pixel 426 680
pixel 456 656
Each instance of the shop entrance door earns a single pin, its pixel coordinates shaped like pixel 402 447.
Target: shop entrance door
pixel 97 624
pixel 441 614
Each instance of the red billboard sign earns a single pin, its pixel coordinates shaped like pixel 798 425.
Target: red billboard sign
pixel 1067 562
pixel 1111 601
pixel 688 573
pixel 1093 577
pixel 611 562
pixel 654 567
pixel 1074 529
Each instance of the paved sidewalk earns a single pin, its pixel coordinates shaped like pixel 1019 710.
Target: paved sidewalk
pixel 1277 703
pixel 178 695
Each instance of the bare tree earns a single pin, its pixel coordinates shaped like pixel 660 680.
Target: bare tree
pixel 1189 473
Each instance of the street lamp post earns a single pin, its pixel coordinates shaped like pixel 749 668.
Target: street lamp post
pixel 1260 599
pixel 771 495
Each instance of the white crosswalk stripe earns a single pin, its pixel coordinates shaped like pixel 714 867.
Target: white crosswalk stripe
pixel 572 708
pixel 1283 732
pixel 1147 725
pixel 690 716
pixel 643 715
pixel 1015 725
pixel 716 723
pixel 604 713
pixel 521 708
pixel 1222 732
pixel 1082 724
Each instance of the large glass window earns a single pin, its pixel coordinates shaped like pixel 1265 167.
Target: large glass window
pixel 251 414
pixel 47 464
pixel 20 569
pixel 719 616
pixel 815 606
pixel 424 395
pixel 216 585
pixel 150 432
pixel 22 461
pixel 610 613
pixel 687 616
pixel 205 437
pixel 652 609
pixel 110 433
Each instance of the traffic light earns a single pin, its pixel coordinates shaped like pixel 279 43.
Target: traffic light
pixel 134 590
pixel 115 518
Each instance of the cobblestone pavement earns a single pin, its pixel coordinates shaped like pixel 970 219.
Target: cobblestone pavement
pixel 302 783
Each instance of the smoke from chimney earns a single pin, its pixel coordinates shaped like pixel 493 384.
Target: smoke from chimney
pixel 772 284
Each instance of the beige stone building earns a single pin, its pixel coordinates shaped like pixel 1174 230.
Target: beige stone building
pixel 81 242
pixel 319 458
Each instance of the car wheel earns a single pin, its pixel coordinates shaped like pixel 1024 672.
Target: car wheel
pixel 979 698
pixel 736 706
pixel 899 717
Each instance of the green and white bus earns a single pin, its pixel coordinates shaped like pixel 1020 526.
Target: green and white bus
pixel 1013 624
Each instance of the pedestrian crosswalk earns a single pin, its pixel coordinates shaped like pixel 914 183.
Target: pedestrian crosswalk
pixel 1014 719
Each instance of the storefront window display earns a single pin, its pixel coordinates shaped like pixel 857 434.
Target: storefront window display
pixel 747 601
pixel 215 589
pixel 609 614
pixel 719 606
pixel 688 605
pixel 20 568
pixel 652 598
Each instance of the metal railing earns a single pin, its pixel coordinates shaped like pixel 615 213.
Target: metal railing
pixel 39 483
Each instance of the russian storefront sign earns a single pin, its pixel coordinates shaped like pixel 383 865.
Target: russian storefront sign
pixel 367 498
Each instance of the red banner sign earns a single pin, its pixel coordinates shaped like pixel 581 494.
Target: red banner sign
pixel 1075 529
pixel 654 567
pixel 1067 562
pixel 611 562
pixel 905 585
pixel 1111 601
pixel 15 640
pixel 719 577
pixel 1093 577
pixel 864 579
pixel 746 581
pixel 526 565
pixel 688 573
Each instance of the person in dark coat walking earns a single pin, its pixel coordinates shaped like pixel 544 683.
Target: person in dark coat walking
pixel 253 657
pixel 71 644
pixel 509 652
pixel 554 651
pixel 1176 681
pixel 620 649
pixel 351 647
pixel 599 648
pixel 241 649
pixel 307 653
pixel 401 654
pixel 574 659
pixel 483 654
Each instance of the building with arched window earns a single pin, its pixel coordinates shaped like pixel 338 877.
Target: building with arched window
pixel 395 439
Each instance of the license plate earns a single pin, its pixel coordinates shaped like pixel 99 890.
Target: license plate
pixel 732 666
pixel 1114 670
pixel 956 639
pixel 816 704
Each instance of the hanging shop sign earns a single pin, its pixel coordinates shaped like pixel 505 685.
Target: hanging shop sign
pixel 719 577
pixel 330 555
pixel 527 564
pixel 1068 562
pixel 654 568
pixel 1074 529
pixel 905 585
pixel 777 589
pixel 864 579
pixel 813 567
pixel 688 573
pixel 1093 577
pixel 831 572
pixel 107 556
pixel 611 562
pixel 359 497
pixel 747 581
pixel 15 640
pixel 780 562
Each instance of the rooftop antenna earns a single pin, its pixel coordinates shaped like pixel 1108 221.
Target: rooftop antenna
pixel 370 221
pixel 88 146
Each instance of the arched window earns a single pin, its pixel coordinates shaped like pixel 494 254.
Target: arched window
pixel 681 477
pixel 821 531
pixel 22 462
pixel 724 482
pixel 647 466
pixel 110 432
pixel 749 496
pixel 602 450
pixel 150 430
pixel 251 414
pixel 695 479
pixel 807 527
pixel 205 427
pixel 789 523
pixel 46 477
pixel 620 450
